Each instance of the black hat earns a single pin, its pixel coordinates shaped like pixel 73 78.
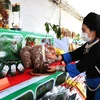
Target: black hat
pixel 92 21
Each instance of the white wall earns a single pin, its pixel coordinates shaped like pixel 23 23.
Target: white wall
pixel 34 13
pixel 70 22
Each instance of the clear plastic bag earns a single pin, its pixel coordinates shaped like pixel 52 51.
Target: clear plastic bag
pixel 39 59
pixel 25 54
pixel 57 93
pixel 9 48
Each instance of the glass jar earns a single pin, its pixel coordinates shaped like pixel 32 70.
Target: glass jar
pixel 5 11
pixel 16 15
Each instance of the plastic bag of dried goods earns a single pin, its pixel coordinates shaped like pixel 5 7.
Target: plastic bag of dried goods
pixel 25 54
pixel 39 59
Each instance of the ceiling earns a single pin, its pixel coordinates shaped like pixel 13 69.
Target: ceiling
pixel 85 6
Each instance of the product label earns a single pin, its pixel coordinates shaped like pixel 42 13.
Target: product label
pixel 13 68
pixel 5 69
pixel 20 67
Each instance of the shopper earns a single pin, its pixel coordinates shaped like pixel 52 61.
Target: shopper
pixel 88 57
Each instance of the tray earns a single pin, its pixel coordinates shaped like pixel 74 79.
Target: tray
pixel 39 74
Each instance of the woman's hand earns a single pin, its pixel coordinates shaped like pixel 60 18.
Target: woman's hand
pixel 51 69
pixel 54 57
pixel 51 56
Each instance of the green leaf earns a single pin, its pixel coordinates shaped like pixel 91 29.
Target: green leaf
pixel 59 33
pixel 47 27
pixel 54 28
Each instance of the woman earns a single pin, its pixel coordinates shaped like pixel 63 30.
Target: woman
pixel 88 57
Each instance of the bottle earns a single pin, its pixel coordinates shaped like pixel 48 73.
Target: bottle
pixel 20 67
pixel 4 71
pixel 12 71
pixel 6 13
pixel 1 66
pixel 16 15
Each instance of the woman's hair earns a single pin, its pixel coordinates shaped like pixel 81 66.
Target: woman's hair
pixel 92 21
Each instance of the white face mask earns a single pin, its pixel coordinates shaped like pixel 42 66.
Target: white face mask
pixel 85 37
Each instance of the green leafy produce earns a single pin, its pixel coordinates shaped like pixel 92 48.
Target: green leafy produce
pixel 11 49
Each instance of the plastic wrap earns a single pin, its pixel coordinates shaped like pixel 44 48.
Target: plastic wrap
pixel 57 93
pixel 9 48
pixel 39 59
pixel 25 54
pixel 9 54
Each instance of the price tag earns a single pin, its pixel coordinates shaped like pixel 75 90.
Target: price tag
pixel 4 83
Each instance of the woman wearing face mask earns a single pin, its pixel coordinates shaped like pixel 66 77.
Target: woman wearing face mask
pixel 88 57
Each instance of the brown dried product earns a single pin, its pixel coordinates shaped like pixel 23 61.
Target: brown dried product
pixel 25 54
pixel 39 59
pixel 26 48
pixel 42 69
pixel 51 50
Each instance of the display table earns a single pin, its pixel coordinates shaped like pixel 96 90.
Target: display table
pixel 25 86
pixel 29 87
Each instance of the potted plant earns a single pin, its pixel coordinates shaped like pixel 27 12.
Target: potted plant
pixel 55 28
